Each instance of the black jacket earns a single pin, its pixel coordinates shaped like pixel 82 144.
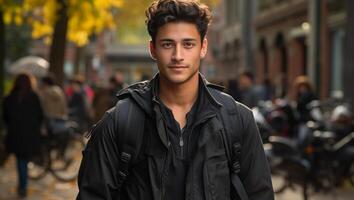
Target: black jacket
pixel 23 119
pixel 208 176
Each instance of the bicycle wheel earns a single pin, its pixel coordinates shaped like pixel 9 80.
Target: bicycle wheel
pixel 39 166
pixel 65 162
pixel 279 181
pixel 279 176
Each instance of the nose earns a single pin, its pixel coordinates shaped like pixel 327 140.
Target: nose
pixel 177 54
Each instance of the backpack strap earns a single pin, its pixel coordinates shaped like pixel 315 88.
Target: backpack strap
pixel 232 137
pixel 130 128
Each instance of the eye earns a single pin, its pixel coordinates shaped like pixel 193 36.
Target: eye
pixel 188 45
pixel 167 45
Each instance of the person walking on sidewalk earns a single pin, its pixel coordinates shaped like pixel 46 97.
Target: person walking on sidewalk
pixel 249 95
pixel 23 117
pixel 176 136
pixel 53 99
pixel 55 107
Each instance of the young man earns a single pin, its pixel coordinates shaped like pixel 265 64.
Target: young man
pixel 187 125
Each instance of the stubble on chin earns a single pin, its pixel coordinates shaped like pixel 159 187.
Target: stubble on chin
pixel 175 80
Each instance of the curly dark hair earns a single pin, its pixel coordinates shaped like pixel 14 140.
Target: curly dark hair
pixel 161 12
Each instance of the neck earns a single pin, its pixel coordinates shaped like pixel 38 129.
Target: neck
pixel 179 95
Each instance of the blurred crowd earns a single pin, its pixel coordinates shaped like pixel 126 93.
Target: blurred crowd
pixel 39 106
pixel 244 90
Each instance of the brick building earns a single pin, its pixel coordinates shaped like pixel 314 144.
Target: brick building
pixel 231 37
pixel 281 39
pixel 282 29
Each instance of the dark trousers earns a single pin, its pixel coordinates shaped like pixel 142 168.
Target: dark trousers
pixel 22 173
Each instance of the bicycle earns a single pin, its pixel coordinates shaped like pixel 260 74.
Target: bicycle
pixel 60 155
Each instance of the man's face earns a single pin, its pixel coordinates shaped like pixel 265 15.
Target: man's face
pixel 178 50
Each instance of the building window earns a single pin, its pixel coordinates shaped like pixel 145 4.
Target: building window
pixel 337 60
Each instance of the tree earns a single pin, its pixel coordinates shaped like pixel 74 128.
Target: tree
pixel 75 20
pixel 57 49
pixel 56 21
pixel 131 16
pixel 3 6
pixel 2 63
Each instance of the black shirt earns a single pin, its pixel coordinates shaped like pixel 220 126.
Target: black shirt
pixel 180 149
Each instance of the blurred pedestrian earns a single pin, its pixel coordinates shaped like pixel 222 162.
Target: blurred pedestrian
pixel 89 92
pixel 249 95
pixel 23 118
pixel 304 94
pixel 101 102
pixel 265 91
pixel 54 104
pixel 234 90
pixel 53 99
pixel 116 83
pixel 79 106
pixel 106 97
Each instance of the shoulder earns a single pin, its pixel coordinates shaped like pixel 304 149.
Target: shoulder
pixel 105 127
pixel 114 115
pixel 236 110
pixel 140 87
pixel 228 101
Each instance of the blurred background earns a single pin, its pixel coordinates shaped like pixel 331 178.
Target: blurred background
pixel 291 60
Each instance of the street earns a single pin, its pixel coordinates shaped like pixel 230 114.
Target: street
pixel 345 193
pixel 49 188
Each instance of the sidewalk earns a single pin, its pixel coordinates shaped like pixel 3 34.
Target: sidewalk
pixel 344 193
pixel 47 188
pixel 339 194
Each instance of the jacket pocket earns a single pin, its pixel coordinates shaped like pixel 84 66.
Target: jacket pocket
pixel 217 177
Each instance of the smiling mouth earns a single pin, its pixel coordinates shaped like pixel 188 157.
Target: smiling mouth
pixel 177 66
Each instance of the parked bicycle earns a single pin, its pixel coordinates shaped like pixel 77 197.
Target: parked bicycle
pixel 60 154
pixel 321 156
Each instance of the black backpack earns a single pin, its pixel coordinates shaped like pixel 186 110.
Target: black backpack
pixel 131 137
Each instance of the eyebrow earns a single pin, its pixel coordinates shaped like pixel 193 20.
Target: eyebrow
pixel 171 40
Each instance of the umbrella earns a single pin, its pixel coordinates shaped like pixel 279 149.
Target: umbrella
pixel 30 64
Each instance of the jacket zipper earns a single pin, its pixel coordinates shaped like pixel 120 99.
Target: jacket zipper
pixel 181 144
pixel 181 141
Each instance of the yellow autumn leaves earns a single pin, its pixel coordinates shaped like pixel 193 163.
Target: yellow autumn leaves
pixel 86 17
pixel 90 17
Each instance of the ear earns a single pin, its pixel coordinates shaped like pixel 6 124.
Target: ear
pixel 204 49
pixel 152 50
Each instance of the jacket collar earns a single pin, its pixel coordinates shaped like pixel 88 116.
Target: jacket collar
pixel 145 93
pixel 204 85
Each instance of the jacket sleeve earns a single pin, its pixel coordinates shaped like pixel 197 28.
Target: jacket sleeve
pixel 255 173
pixel 98 177
pixel 5 111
